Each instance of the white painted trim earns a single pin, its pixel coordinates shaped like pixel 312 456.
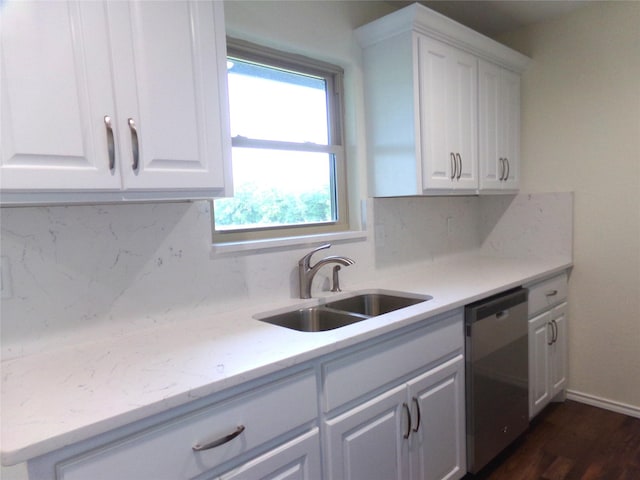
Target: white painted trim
pixel 605 403
pixel 354 235
pixel 418 18
pixel 274 243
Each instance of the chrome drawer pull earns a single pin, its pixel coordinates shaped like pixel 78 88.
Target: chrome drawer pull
pixel 460 167
pixel 406 407
pixel 551 293
pixel 216 443
pixel 134 145
pixel 553 334
pixel 110 143
pixel 506 161
pixel 502 169
pixel 454 165
pixel 415 400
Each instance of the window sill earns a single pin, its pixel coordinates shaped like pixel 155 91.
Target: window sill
pixel 275 243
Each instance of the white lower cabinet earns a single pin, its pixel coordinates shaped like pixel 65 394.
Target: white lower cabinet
pixel 558 350
pixel 539 393
pixel 367 441
pixel 215 439
pixel 413 431
pixel 438 424
pixel 548 316
pixel 298 459
pixel 548 353
pixel 391 407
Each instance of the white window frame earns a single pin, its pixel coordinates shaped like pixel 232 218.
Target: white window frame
pixel 335 92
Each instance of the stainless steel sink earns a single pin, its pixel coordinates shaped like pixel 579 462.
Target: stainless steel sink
pixel 373 304
pixel 314 319
pixel 346 311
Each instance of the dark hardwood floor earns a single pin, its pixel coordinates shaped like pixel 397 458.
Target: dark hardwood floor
pixel 571 441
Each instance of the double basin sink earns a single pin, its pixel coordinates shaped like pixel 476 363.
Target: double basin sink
pixel 345 311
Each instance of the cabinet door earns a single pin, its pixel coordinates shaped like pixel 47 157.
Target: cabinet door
pixel 463 121
pixel 539 337
pixel 170 75
pixel 448 123
pixel 558 351
pixel 437 165
pixel 437 441
pixel 55 92
pixel 366 443
pixel 490 136
pixel 499 128
pixel 298 459
pixel 510 127
pixel 170 444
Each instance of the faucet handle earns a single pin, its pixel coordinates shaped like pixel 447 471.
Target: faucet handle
pixel 306 260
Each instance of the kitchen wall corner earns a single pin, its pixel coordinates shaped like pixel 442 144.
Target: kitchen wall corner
pixel 527 225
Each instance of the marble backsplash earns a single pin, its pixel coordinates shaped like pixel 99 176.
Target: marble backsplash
pixel 78 271
pixel 526 225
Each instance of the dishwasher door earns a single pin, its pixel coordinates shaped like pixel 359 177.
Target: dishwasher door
pixel 497 375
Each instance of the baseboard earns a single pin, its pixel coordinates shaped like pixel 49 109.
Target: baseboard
pixel 605 403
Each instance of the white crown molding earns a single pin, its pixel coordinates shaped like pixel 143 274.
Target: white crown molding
pixel 420 19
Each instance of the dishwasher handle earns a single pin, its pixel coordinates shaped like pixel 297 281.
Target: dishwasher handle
pixel 497 304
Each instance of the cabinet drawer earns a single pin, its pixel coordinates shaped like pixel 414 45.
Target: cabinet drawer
pixel 363 371
pixel 547 293
pixel 166 451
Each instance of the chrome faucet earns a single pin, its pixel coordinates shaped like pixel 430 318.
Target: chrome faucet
pixel 336 280
pixel 306 272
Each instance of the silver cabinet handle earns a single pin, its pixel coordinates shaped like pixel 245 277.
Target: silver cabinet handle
pixel 460 167
pixel 554 332
pixel 506 162
pixel 111 149
pixel 419 415
pixel 454 166
pixel 551 293
pixel 408 432
pixel 220 441
pixel 502 168
pixel 134 144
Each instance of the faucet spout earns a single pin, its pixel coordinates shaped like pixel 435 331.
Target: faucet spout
pixel 306 272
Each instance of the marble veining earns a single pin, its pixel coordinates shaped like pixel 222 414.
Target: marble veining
pixel 527 225
pixel 119 312
pixel 111 382
pixel 83 272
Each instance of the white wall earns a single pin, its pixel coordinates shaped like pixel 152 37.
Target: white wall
pixel 581 133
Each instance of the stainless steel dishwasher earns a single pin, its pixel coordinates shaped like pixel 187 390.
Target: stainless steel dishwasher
pixel 496 374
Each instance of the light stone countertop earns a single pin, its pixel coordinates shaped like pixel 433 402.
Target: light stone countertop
pixel 54 399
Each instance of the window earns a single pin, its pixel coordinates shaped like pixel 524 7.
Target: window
pixel 287 152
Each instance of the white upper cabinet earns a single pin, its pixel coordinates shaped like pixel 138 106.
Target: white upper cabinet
pixel 105 101
pixel 168 75
pixel 499 123
pixel 448 125
pixel 56 91
pixel 425 105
